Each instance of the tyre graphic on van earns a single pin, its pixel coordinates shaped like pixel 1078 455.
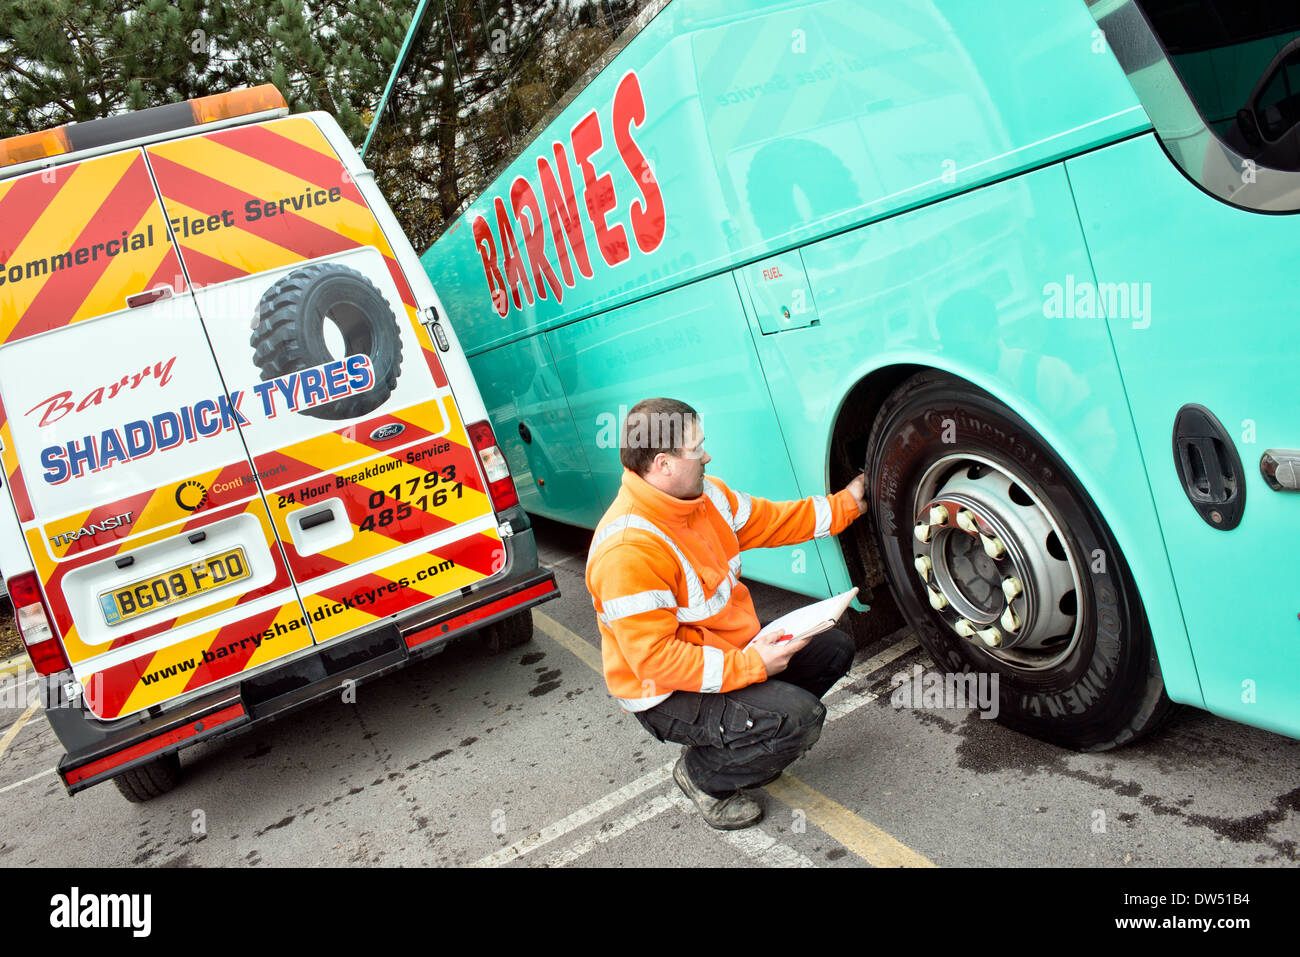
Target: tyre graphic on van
pixel 293 319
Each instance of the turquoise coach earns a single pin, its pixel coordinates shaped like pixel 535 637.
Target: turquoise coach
pixel 1028 263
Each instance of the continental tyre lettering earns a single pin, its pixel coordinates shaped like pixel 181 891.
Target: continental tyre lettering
pixel 506 274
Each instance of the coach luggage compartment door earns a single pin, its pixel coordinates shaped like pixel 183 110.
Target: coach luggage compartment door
pixel 121 450
pixel 356 438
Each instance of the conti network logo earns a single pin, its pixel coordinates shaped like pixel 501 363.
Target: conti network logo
pixel 191 495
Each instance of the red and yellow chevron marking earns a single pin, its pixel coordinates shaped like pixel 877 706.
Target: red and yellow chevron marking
pixel 276 165
pixel 52 573
pixel 215 656
pixel 343 448
pixel 389 591
pixel 152 509
pixel 293 466
pixel 14 475
pixel 415 491
pixel 64 229
pixel 419 510
pixel 196 662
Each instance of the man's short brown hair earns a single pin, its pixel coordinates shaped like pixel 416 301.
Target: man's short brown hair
pixel 653 426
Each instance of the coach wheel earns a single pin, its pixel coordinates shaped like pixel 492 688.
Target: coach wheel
pixel 150 780
pixel 299 314
pixel 1002 565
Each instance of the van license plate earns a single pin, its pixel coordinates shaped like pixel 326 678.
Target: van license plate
pixel 170 587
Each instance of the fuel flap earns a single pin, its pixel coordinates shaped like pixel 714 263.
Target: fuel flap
pixel 122 447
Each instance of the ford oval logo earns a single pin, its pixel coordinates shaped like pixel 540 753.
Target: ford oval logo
pixel 389 431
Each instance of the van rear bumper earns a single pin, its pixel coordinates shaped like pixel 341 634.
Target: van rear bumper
pixel 98 752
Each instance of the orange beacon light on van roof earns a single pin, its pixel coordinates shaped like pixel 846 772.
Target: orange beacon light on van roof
pixel 127 126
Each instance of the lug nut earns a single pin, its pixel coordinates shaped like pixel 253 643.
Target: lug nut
pixel 991 637
pixel 1011 587
pixel 923 567
pixel 966 520
pixel 1009 621
pixel 993 546
pixel 937 601
pixel 965 628
pixel 923 533
pixel 938 515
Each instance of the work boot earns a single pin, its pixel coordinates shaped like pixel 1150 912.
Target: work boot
pixel 726 814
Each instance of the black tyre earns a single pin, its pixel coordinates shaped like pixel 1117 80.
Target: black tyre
pixel 509 633
pixel 289 332
pixel 150 780
pixel 964 492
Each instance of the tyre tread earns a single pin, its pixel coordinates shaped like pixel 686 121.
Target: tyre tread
pixel 150 780
pixel 277 350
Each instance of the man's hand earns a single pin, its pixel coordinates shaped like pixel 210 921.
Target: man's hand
pixel 859 489
pixel 776 654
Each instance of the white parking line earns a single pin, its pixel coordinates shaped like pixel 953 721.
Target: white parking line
pixel 652 808
pixel 595 809
pixel 661 775
pixel 752 842
pixel 758 844
pixel 18 784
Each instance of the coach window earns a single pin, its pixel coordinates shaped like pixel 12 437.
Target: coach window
pixel 1220 80
pixel 478 83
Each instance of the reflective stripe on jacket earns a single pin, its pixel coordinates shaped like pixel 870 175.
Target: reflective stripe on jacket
pixel 663 573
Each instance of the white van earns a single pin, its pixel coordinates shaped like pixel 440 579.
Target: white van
pixel 245 459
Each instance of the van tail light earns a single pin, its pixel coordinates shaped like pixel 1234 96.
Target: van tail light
pixel 34 625
pixel 501 487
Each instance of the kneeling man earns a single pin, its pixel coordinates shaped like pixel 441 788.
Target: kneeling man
pixel 676 624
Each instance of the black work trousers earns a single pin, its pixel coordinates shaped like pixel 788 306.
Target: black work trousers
pixel 749 736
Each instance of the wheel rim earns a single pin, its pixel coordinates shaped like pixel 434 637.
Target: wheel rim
pixel 996 564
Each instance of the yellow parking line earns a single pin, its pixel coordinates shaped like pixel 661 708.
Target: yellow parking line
pixel 856 834
pixel 16 727
pixel 553 629
pixel 13 666
pixel 860 836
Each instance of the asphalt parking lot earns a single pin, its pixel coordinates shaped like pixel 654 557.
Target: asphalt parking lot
pixel 522 759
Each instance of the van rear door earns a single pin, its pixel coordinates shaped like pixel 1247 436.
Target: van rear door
pixel 122 447
pixel 354 432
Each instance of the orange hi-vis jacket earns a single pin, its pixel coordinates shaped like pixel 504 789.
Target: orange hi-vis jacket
pixel 663 573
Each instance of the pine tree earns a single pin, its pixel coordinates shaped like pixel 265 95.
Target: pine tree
pixel 67 61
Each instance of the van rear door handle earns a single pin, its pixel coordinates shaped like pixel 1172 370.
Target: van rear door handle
pixel 319 518
pixel 156 294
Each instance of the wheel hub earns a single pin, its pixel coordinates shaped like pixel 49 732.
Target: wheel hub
pixel 995 563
